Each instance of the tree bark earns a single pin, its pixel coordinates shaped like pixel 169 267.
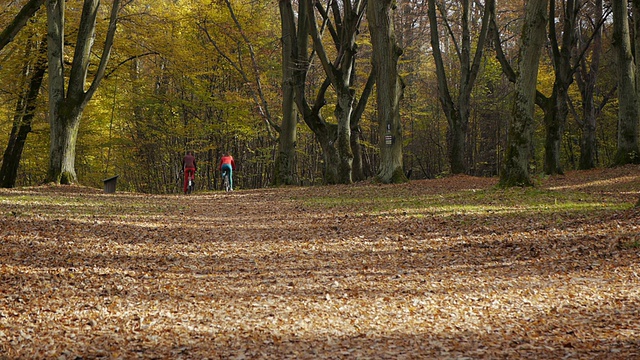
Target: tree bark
pixel 457 111
pixel 33 73
pixel 66 106
pixel 285 173
pixel 558 109
pixel 586 79
pixel 325 133
pixel 358 166
pixel 518 152
pixel 389 86
pixel 340 76
pixel 627 151
pixel 27 11
pixel 335 139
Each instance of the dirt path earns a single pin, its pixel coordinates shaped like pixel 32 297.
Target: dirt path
pixel 449 268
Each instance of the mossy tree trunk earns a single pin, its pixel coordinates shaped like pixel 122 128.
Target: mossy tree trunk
pixel 563 46
pixel 389 86
pixel 518 152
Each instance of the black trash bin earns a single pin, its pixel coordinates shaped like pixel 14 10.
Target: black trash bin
pixel 110 184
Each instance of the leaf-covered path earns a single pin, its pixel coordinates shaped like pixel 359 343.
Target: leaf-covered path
pixel 450 268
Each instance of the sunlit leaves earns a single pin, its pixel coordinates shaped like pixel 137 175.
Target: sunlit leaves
pixel 447 268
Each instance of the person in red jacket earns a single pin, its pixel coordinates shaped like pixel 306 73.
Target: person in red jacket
pixel 228 164
pixel 190 167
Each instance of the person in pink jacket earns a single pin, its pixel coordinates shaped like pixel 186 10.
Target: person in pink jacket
pixel 227 164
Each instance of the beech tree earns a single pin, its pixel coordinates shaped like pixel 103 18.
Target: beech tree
pixel 389 89
pixel 19 21
pixel 628 150
pixel 340 73
pixel 457 108
pixel 586 79
pixel 563 48
pixel 284 168
pixel 66 103
pixel 556 106
pixel 518 152
pixel 324 132
pixel 31 78
pixel 339 148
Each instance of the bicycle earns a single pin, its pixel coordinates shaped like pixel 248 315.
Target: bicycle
pixel 226 182
pixel 191 182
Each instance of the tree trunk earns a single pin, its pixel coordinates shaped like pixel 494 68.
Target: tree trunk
pixel 285 173
pixel 66 106
pixel 628 151
pixel 357 170
pixel 586 80
pixel 64 134
pixel 558 109
pixel 27 11
pixel 340 72
pixel 457 141
pixel 555 114
pixel 343 144
pixel 457 111
pixel 386 53
pixel 25 110
pixel 518 152
pixel 327 139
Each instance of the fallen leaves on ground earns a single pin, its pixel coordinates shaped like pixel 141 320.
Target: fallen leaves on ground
pixel 451 268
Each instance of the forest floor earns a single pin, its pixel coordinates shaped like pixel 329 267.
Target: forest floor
pixel 452 268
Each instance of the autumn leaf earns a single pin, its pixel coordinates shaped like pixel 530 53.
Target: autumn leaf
pixel 446 268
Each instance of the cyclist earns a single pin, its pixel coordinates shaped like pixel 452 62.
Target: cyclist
pixel 190 167
pixel 228 164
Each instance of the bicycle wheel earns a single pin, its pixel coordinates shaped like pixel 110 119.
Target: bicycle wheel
pixel 225 182
pixel 192 185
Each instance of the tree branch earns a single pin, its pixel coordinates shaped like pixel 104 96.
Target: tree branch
pixel 27 11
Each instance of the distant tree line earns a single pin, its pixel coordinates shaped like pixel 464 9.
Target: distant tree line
pixel 315 92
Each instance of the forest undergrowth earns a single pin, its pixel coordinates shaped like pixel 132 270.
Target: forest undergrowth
pixel 451 268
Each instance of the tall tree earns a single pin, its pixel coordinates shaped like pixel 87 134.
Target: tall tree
pixel 518 152
pixel 628 150
pixel 457 109
pixel 285 173
pixel 335 140
pixel 27 11
pixel 324 132
pixel 32 76
pixel 389 86
pixel 340 73
pixel 66 104
pixel 556 107
pixel 586 79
